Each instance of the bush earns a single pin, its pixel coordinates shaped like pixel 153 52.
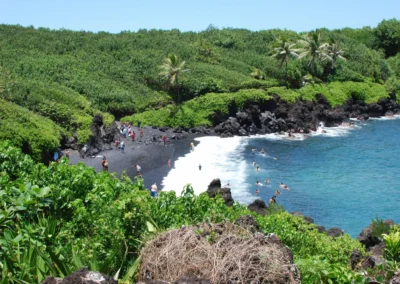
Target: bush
pixel 199 111
pixel 35 134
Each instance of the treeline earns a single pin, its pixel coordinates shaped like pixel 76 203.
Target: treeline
pixel 69 76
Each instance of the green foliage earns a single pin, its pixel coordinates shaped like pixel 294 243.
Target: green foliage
pixel 392 245
pixel 379 227
pixel 387 35
pixel 318 256
pixel 55 219
pixel 201 110
pixel 36 135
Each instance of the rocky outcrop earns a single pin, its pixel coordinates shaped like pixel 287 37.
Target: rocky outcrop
pixel 373 243
pixel 367 238
pixel 335 232
pixel 102 136
pixel 258 206
pixel 215 188
pixel 82 276
pixel 301 116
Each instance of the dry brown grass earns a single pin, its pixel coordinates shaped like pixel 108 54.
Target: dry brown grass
pixel 222 253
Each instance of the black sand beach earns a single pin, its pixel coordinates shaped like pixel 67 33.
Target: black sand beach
pixel 151 156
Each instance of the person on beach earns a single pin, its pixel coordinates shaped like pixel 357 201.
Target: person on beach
pixel 116 143
pixel 122 146
pixel 153 190
pixel 199 167
pixel 138 124
pixel 138 168
pixel 67 153
pixel 82 152
pixel 191 146
pixel 141 134
pixel 259 183
pixel 133 134
pixel 272 200
pixel 124 132
pixel 254 163
pixel 258 169
pixel 257 192
pixel 104 163
pixel 164 139
pixel 169 163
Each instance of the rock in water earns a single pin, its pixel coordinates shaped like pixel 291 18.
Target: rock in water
pixel 215 188
pixel 258 206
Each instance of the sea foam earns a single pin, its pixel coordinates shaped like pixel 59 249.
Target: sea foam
pixel 218 158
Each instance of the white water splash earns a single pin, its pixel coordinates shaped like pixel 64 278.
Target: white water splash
pixel 218 158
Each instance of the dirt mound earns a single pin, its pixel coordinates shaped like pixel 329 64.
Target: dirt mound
pixel 220 253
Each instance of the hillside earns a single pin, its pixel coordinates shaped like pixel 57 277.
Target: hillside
pixel 70 76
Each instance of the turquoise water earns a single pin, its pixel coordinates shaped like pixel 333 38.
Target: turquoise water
pixel 340 181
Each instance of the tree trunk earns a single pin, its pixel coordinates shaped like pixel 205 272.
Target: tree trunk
pixel 177 86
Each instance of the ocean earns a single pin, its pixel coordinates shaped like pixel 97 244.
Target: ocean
pixel 341 177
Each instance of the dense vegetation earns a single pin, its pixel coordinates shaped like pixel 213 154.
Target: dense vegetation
pixel 69 76
pixel 55 219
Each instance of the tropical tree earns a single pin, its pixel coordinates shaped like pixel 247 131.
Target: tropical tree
pixel 334 52
pixel 284 52
pixel 170 70
pixel 313 48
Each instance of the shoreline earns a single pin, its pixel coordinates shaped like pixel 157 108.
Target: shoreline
pixel 152 156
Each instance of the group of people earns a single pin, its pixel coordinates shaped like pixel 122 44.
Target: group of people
pixel 127 131
pixel 267 181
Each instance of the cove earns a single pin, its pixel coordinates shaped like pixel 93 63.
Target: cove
pixel 343 178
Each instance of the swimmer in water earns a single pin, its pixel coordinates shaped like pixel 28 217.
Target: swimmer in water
pixel 262 151
pixel 258 169
pixel 284 186
pixel 267 181
pixel 277 192
pixel 253 150
pixel 275 158
pixel 257 192
pixel 259 183
pixel 254 163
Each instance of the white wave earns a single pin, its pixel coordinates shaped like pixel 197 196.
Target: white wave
pixel 218 158
pixel 396 116
pixel 336 131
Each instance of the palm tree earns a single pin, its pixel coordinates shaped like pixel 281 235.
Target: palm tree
pixel 170 70
pixel 333 52
pixel 284 52
pixel 313 48
pixel 257 74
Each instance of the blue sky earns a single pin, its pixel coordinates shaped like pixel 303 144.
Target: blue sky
pixel 190 15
